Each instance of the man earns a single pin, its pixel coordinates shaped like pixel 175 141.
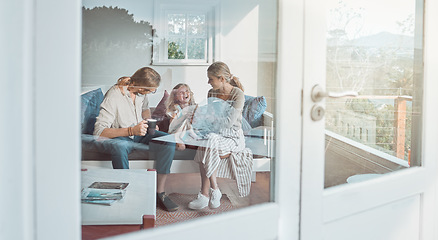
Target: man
pixel 121 125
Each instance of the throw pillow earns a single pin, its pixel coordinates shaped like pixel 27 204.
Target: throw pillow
pixel 160 110
pixel 160 113
pixel 253 110
pixel 90 107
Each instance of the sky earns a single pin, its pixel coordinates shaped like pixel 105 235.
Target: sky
pixel 380 15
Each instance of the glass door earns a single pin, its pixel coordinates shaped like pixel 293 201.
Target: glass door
pixel 377 54
pixel 364 94
pixel 180 40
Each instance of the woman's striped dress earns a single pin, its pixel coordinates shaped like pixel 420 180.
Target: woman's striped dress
pixel 238 165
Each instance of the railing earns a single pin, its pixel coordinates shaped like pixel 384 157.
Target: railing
pixel 399 127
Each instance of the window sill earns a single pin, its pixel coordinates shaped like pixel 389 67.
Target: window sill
pixel 179 64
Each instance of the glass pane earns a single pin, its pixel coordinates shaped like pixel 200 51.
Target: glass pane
pixel 176 48
pixel 196 25
pixel 117 41
pixel 176 24
pixel 377 53
pixel 197 48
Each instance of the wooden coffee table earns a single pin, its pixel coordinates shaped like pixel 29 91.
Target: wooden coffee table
pixel 137 209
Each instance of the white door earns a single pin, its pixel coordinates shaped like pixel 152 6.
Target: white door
pixel 367 161
pixel 347 211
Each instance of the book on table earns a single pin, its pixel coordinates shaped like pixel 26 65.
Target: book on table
pixel 104 193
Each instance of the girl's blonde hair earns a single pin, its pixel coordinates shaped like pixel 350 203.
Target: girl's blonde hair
pixel 220 69
pixel 171 101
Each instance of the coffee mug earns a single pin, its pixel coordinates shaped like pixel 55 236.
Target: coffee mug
pixel 152 124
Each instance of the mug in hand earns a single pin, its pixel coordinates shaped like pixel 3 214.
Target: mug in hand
pixel 152 124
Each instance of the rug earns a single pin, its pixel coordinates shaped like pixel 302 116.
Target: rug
pixel 184 213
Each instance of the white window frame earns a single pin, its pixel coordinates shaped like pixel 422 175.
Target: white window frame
pixel 161 11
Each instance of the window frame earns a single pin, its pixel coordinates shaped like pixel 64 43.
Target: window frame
pixel 160 47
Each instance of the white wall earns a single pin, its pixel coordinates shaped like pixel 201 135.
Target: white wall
pixel 16 149
pixel 39 123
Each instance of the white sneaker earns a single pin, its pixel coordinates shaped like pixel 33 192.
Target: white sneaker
pixel 215 198
pixel 199 203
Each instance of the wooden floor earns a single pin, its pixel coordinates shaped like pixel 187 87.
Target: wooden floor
pixel 190 183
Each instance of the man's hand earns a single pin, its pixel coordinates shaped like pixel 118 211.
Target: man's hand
pixel 140 129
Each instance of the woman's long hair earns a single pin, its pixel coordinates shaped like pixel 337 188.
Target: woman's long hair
pixel 220 69
pixel 171 101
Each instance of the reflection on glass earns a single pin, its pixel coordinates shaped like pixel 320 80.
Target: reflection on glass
pixel 375 52
pixel 118 40
pixel 196 25
pixel 176 24
pixel 196 48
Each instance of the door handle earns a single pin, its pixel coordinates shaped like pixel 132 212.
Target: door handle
pixel 318 94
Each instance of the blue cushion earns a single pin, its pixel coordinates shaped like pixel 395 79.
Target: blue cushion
pixel 253 110
pixel 90 107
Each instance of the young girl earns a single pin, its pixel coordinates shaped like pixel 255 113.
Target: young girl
pixel 180 97
pixel 224 154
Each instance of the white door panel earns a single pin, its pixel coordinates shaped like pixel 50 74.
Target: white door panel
pixel 392 221
pixel 346 200
pixel 388 165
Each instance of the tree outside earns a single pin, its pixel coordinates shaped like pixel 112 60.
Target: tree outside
pixel 113 44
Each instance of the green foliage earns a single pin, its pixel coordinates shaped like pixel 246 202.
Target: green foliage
pixel 173 51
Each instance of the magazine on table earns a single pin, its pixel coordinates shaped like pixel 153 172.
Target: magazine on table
pixel 109 185
pixel 104 193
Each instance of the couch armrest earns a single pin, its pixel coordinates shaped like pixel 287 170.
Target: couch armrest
pixel 268 118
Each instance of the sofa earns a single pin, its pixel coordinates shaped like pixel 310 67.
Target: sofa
pixel 93 154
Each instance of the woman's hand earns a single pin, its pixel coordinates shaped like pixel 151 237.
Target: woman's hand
pixel 140 129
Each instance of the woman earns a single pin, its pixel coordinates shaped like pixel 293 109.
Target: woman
pixel 225 154
pixel 121 126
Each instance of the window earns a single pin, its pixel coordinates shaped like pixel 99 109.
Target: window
pixel 184 33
